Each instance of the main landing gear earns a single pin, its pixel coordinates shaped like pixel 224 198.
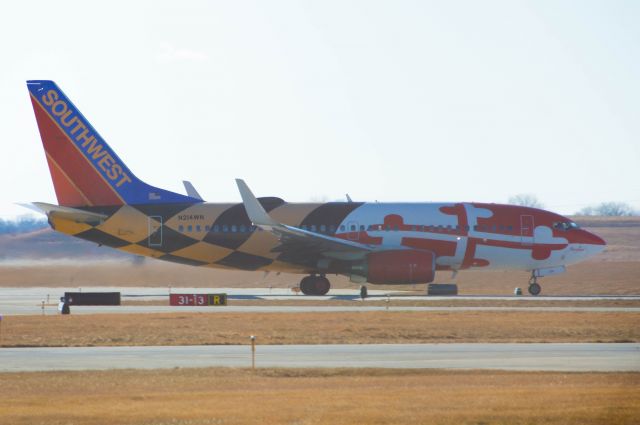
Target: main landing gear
pixel 363 292
pixel 534 287
pixel 315 285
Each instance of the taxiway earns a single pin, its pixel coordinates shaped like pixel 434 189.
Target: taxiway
pixel 523 357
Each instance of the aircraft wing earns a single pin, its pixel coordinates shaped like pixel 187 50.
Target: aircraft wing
pixel 67 213
pixel 294 239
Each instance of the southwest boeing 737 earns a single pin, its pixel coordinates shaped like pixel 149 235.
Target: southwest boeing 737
pixel 102 201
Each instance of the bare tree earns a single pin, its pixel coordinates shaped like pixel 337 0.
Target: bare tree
pixel 526 200
pixel 611 209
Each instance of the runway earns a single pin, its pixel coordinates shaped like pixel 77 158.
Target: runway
pixel 28 301
pixel 52 310
pixel 521 357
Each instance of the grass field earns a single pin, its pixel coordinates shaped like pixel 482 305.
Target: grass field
pixel 277 396
pixel 318 328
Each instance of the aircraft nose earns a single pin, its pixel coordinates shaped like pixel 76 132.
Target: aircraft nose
pixel 593 239
pixel 595 242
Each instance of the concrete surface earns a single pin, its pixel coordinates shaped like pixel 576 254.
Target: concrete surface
pixel 525 357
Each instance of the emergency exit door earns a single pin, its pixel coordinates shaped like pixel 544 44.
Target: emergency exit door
pixel 155 231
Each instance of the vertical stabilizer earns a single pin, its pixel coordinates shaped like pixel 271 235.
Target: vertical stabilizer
pixel 84 169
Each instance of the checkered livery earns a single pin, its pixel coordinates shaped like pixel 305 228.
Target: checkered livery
pixel 205 234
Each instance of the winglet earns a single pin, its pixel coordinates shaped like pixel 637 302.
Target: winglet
pixel 255 211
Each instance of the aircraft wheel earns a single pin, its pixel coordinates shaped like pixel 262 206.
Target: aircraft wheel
pixel 534 289
pixel 307 285
pixel 363 292
pixel 321 285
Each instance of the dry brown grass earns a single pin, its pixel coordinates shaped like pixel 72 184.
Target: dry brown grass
pixel 237 396
pixel 319 328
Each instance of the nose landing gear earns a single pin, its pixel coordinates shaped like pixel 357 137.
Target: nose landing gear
pixel 534 287
pixel 315 285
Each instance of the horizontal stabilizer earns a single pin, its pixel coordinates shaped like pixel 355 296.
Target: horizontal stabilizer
pixel 67 213
pixel 191 191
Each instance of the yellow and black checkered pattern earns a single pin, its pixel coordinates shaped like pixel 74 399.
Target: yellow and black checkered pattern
pixel 204 234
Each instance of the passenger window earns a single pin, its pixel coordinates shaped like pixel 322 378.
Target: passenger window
pixel 207 228
pixel 352 228
pixel 190 228
pixel 313 227
pixel 332 229
pixel 243 228
pixel 323 228
pixel 362 228
pixel 234 228
pixel 198 228
pixel 225 228
pixel 216 228
pixel 181 228
pixel 342 228
pixel 510 228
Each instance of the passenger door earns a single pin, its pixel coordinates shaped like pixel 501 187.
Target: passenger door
pixel 526 230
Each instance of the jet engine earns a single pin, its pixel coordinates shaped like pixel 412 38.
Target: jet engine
pixel 400 266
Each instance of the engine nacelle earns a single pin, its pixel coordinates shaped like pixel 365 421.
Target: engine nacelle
pixel 402 266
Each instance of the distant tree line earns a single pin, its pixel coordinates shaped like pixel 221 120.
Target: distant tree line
pixel 526 200
pixel 613 209
pixel 22 225
pixel 610 209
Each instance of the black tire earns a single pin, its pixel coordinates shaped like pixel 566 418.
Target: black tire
pixel 306 285
pixel 363 292
pixel 321 285
pixel 535 289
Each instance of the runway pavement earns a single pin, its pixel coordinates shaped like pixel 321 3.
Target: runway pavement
pixel 52 310
pixel 28 301
pixel 524 357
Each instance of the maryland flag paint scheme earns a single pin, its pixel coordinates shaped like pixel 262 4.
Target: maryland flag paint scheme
pixel 101 200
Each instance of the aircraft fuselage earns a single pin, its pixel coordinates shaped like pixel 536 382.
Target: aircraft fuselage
pixel 462 235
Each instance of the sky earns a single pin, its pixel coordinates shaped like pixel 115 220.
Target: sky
pixel 309 100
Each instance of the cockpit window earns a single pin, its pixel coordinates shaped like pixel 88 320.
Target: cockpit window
pixel 565 225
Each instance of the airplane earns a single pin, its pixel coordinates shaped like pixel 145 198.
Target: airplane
pixel 102 201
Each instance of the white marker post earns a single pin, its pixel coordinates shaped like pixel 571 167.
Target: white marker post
pixel 253 352
pixel 0 330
